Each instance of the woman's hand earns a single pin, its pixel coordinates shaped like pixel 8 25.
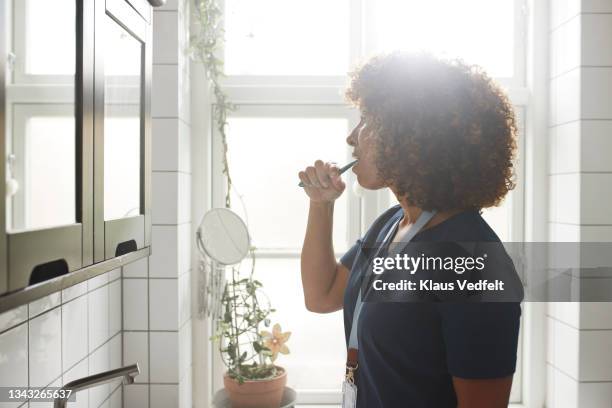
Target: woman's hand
pixel 322 182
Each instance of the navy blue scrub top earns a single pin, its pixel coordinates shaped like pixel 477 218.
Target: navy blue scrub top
pixel 409 352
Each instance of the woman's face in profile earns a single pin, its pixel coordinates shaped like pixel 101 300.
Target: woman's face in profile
pixel 363 143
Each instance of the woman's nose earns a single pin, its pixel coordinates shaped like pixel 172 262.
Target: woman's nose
pixel 350 139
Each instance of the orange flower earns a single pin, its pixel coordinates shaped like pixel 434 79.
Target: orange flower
pixel 276 340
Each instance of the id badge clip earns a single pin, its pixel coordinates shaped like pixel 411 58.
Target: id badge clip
pixel 349 389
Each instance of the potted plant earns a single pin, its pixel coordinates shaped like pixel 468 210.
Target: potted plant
pixel 248 350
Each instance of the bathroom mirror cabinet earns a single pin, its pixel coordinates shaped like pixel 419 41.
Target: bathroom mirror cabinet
pixel 75 124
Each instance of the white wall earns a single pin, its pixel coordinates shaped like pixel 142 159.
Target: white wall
pixel 579 362
pixel 157 298
pixel 65 336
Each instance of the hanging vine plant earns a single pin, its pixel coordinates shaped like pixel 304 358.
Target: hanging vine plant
pixel 205 47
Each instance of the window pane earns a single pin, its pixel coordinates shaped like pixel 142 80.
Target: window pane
pixel 122 76
pixel 265 156
pixel 43 168
pixel 317 346
pixel 50 37
pixel 286 37
pixel 479 31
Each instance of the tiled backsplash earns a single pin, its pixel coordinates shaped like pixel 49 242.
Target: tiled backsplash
pixel 101 324
pixel 65 336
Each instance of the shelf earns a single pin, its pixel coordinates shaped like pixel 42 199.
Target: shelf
pixel 28 294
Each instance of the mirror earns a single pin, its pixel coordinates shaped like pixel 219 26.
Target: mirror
pixel 222 239
pixel 223 236
pixel 122 122
pixel 40 127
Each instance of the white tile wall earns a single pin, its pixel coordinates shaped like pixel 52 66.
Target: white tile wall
pixel 164 396
pixel 596 196
pixel 137 269
pixel 136 350
pixel 14 356
pixel 13 317
pixel 165 37
pixel 163 314
pixel 74 331
pixel 51 348
pixel 45 348
pixel 594 394
pixel 596 83
pixel 136 396
pixel 595 358
pixel 596 145
pixel 165 195
pixel 596 39
pixel 135 304
pixel 98 317
pixel 580 334
pixel 567 37
pixel 565 348
pixel 165 97
pixel 168 316
pixel 79 371
pixel 164 258
pixel 565 105
pixel 596 6
pixel 563 10
pixel 565 141
pixel 565 198
pixel 164 364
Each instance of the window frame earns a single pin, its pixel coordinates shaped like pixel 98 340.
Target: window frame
pixel 279 90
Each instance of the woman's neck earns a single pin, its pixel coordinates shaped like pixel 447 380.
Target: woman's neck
pixel 412 213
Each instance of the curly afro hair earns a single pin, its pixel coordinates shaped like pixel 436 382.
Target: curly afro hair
pixel 445 133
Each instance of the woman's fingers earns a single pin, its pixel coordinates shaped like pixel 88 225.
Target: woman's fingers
pixel 313 180
pixel 322 171
pixel 304 178
pixel 336 181
pixel 322 181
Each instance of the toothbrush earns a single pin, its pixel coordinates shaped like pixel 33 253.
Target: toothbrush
pixel 342 170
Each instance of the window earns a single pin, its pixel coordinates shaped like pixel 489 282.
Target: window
pixel 276 208
pixel 286 64
pixel 258 42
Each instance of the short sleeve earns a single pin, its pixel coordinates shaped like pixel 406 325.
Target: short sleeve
pixel 481 339
pixel 349 257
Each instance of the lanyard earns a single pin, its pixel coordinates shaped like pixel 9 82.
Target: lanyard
pixel 351 361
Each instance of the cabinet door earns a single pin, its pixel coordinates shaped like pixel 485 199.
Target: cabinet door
pixel 46 132
pixel 122 129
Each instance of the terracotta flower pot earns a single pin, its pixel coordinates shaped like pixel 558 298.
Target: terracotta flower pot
pixel 256 393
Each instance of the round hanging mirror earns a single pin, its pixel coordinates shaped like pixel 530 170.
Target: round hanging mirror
pixel 224 236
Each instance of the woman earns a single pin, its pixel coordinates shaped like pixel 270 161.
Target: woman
pixel 442 136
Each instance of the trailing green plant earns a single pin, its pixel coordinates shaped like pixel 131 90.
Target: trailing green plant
pixel 247 352
pixel 205 47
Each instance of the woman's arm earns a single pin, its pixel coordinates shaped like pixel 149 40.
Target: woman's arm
pixel 323 279
pixel 486 393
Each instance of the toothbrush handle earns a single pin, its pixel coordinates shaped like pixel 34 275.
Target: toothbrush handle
pixel 342 170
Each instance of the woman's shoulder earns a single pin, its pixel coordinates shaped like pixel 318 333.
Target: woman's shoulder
pixel 466 226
